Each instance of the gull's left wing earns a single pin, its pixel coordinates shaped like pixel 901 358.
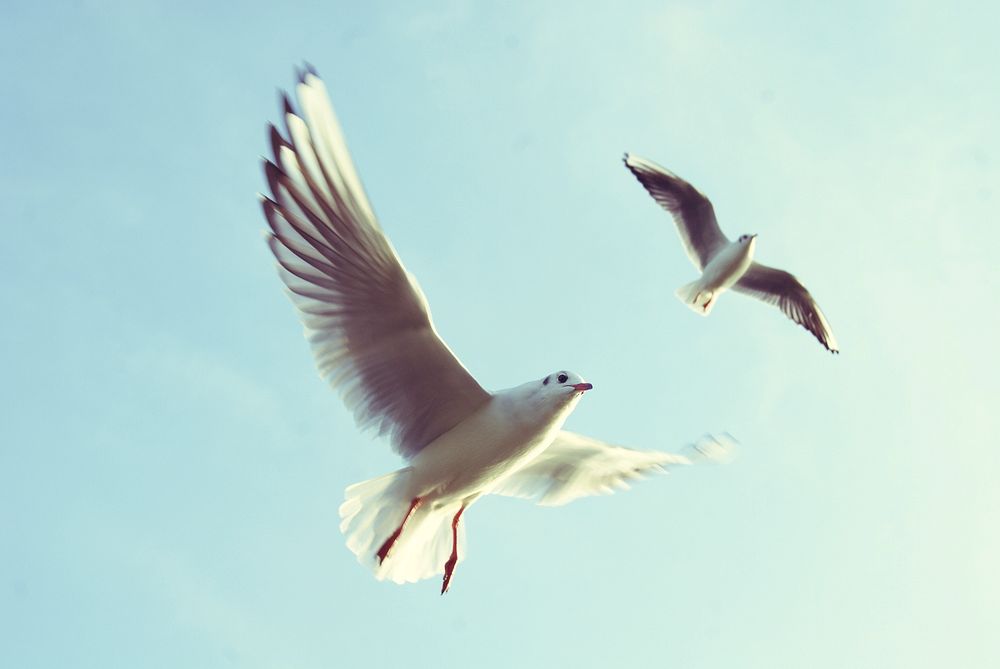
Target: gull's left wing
pixel 783 290
pixel 576 466
pixel 364 314
pixel 692 212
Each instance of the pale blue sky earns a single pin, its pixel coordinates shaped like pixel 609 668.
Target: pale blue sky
pixel 171 466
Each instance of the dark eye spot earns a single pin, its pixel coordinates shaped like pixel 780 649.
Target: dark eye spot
pixel 562 378
pixel 546 381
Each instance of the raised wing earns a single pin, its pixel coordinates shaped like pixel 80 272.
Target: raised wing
pixel 576 466
pixel 364 315
pixel 783 290
pixel 692 211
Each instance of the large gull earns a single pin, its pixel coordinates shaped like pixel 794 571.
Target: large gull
pixel 372 336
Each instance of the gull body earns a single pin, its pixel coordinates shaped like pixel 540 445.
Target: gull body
pixel 476 457
pixel 725 264
pixel 509 430
pixel 371 333
pixel 722 271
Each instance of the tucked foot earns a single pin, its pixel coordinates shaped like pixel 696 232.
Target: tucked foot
pixel 383 552
pixel 707 304
pixel 449 566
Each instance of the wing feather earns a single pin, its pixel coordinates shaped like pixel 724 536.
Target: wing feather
pixel 364 315
pixel 783 290
pixel 692 212
pixel 575 466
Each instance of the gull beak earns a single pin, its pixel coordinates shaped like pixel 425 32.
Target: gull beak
pixel 582 386
pixel 753 236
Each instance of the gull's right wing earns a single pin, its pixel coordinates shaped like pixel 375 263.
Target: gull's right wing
pixel 364 315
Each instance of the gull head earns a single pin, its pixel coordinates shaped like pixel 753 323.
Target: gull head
pixel 747 239
pixel 563 384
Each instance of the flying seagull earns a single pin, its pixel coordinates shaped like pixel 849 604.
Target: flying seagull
pixel 725 264
pixel 372 336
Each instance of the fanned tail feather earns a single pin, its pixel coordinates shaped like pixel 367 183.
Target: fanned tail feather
pixel 374 509
pixel 695 296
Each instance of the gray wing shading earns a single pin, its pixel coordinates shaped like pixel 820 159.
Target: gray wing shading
pixel 576 466
pixel 783 290
pixel 693 212
pixel 364 315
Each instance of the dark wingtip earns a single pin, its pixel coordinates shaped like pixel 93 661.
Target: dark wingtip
pixel 309 68
pixel 286 104
pixel 276 140
pixel 273 174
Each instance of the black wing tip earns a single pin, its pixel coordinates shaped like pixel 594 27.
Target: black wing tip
pixel 267 202
pixel 829 348
pixel 272 170
pixel 634 169
pixel 286 103
pixel 306 68
pixel 647 170
pixel 276 140
pixel 633 161
pixel 274 176
pixel 822 336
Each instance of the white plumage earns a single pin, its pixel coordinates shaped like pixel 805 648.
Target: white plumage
pixel 371 332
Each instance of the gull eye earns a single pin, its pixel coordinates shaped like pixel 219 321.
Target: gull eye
pixel 546 381
pixel 562 378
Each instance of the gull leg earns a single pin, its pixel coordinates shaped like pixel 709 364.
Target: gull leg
pixel 449 566
pixel 383 552
pixel 707 304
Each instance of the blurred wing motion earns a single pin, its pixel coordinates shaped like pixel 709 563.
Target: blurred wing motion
pixel 576 466
pixel 364 315
pixel 783 290
pixel 692 211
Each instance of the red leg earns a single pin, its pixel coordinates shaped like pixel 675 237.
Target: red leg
pixel 383 552
pixel 449 566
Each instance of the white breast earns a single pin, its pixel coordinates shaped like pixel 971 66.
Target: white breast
pixel 728 265
pixel 502 436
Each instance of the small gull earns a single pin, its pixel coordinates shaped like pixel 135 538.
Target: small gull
pixel 725 264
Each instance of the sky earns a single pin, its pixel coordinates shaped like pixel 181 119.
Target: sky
pixel 171 464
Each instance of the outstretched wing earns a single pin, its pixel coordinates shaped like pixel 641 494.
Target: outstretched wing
pixel 576 466
pixel 364 315
pixel 783 290
pixel 692 211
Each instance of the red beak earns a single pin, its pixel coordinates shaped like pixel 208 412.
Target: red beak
pixel 583 386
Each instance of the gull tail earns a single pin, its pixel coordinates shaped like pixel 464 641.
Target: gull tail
pixel 697 297
pixel 382 511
